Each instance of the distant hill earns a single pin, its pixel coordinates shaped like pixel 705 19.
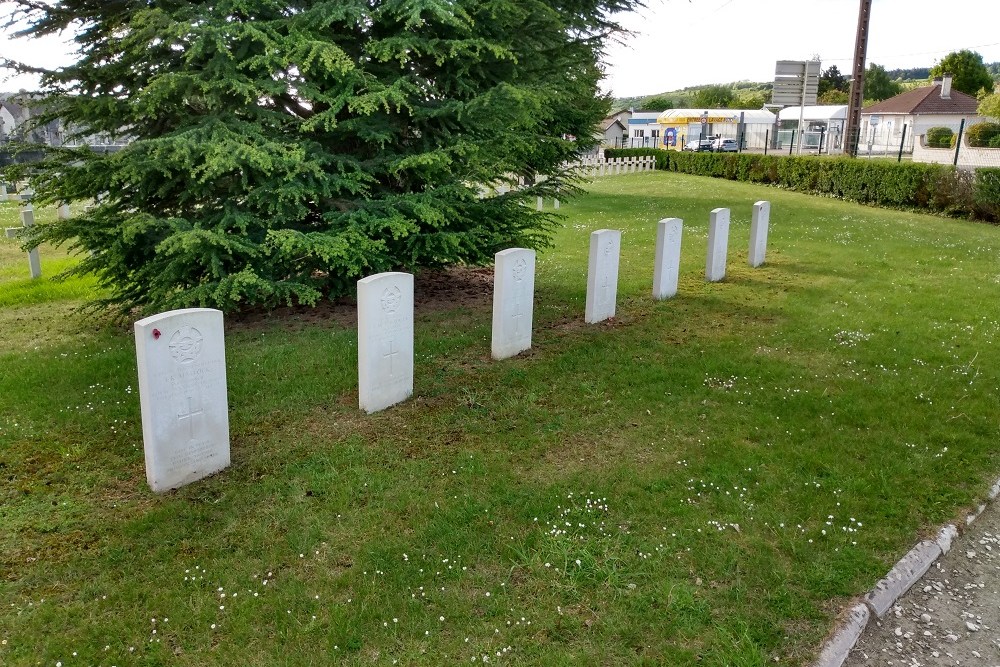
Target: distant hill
pixel 684 97
pixel 921 73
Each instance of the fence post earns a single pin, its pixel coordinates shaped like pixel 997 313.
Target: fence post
pixel 958 144
pixel 822 135
pixel 767 139
pixel 899 158
pixel 791 144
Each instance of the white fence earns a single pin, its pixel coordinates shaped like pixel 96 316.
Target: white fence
pixel 599 166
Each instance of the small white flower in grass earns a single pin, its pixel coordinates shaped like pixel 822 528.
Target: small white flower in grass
pixel 441 619
pixel 213 626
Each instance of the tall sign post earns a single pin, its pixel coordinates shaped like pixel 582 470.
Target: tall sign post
pixel 852 129
pixel 796 82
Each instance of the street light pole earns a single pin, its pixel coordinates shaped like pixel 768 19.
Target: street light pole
pixel 852 132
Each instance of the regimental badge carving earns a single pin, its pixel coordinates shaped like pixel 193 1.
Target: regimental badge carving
pixel 609 248
pixel 390 299
pixel 520 268
pixel 185 345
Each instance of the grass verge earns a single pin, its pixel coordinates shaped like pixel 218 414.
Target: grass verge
pixel 705 480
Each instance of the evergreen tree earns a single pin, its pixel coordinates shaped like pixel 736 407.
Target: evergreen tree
pixel 280 150
pixel 833 80
pixel 969 74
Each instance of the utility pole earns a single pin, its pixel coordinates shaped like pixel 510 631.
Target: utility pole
pixel 852 133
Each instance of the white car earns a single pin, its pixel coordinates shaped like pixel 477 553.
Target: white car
pixel 697 145
pixel 721 145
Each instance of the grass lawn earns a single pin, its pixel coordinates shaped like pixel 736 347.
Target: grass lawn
pixel 704 481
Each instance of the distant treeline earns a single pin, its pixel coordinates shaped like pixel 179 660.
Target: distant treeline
pixel 753 94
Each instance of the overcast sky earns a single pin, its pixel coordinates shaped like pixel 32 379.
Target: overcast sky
pixel 678 43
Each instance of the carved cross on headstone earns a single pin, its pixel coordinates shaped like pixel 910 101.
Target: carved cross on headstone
pixel 391 355
pixel 189 416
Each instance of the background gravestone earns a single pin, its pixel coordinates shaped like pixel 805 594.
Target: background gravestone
pixel 181 357
pixel 718 245
pixel 668 257
pixel 758 232
pixel 385 340
pixel 602 275
pixel 27 221
pixel 513 301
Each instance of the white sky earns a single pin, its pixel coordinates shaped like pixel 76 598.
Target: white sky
pixel 678 43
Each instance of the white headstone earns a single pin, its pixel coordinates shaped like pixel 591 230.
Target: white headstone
pixel 28 220
pixel 718 245
pixel 385 340
pixel 181 356
pixel 668 257
pixel 513 301
pixel 602 274
pixel 3 191
pixel 758 232
pixel 64 212
pixel 539 203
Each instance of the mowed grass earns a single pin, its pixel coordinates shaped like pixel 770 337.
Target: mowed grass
pixel 703 481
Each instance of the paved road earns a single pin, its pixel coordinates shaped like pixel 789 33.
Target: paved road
pixel 952 615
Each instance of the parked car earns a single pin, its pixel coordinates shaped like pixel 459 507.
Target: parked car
pixel 721 145
pixel 698 145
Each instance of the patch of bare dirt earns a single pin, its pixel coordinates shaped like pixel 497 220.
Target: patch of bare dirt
pixel 434 290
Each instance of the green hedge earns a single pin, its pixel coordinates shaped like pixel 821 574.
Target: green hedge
pixel 932 187
pixel 940 137
pixel 983 134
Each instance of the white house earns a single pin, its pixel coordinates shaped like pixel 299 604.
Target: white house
pixel 918 110
pixel 643 129
pixel 613 131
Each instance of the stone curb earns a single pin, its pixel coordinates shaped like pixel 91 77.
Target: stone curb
pixel 904 574
pixel 888 590
pixel 837 649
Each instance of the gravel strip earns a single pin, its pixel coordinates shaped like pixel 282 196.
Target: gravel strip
pixel 952 615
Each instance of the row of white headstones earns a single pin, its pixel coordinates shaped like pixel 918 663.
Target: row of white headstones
pixel 182 362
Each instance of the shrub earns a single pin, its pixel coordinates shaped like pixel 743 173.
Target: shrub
pixel 995 142
pixel 987 194
pixel 934 187
pixel 983 134
pixel 940 137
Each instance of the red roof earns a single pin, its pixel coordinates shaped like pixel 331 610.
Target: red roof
pixel 926 100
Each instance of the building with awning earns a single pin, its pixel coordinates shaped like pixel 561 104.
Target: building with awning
pixel 823 127
pixel 678 126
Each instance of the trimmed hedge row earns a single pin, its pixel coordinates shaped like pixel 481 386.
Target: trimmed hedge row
pixel 937 188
